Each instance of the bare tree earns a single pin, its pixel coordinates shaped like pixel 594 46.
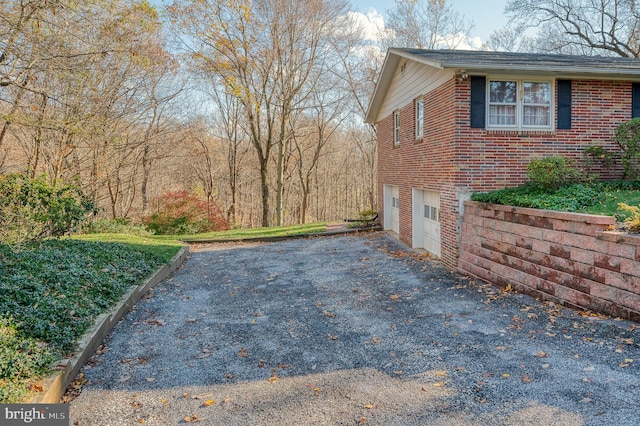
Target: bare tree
pixel 426 24
pixel 610 27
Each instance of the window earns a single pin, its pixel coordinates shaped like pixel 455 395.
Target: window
pixel 396 127
pixel 519 104
pixel 419 107
pixel 431 212
pixel 395 202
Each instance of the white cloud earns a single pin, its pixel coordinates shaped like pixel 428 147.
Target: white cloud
pixel 371 22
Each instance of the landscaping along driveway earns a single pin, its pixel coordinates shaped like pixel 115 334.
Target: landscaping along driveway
pixel 353 330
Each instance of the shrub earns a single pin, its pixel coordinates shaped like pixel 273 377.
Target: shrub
pixel 32 209
pixel 627 137
pixel 118 225
pixel 552 172
pixel 184 212
pixel 21 359
pixel 633 221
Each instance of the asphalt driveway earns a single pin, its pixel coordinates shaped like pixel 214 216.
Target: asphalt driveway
pixel 354 330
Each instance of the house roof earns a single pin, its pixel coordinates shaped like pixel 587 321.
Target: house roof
pixel 486 62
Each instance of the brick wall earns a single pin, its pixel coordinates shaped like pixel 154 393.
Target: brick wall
pixel 452 156
pixel 557 256
pixel 496 159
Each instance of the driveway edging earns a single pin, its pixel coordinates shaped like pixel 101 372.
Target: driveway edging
pixel 56 385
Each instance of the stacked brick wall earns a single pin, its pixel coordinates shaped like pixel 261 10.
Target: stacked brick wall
pixel 563 257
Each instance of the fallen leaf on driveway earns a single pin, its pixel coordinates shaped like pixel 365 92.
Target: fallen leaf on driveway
pixel 541 354
pixel 193 419
pixel 124 378
pixel 368 406
pixel 526 378
pixel 328 314
pixel 208 403
pixel 243 353
pixel 202 396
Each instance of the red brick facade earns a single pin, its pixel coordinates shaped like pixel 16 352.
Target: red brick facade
pixel 453 158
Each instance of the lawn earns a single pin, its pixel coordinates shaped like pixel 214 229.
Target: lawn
pixel 274 231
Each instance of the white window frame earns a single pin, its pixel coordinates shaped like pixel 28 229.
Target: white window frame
pixel 419 114
pixel 519 104
pixel 396 127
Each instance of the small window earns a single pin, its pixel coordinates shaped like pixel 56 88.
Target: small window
pixel 431 213
pixel 395 202
pixel 396 127
pixel 519 104
pixel 419 107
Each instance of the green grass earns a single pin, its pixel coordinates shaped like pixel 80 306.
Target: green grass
pixel 607 205
pixel 274 231
pixel 165 247
pixel 52 293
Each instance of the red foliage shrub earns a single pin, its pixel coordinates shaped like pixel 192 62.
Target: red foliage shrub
pixel 184 212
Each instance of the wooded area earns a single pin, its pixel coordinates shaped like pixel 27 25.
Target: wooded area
pixel 254 107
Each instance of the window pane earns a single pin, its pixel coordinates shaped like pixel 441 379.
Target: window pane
pixel 537 93
pixel 502 115
pixel 419 117
pixel 502 91
pixel 536 116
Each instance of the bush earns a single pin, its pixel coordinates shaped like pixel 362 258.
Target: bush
pixel 21 359
pixel 184 212
pixel 633 221
pixel 627 137
pixel 118 225
pixel 552 172
pixel 32 209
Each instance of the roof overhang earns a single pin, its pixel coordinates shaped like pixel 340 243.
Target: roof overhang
pixel 500 63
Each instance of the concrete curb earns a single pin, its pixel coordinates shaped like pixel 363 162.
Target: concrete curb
pixel 56 385
pixel 284 237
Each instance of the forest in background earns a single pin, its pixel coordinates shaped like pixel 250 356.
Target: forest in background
pixel 253 107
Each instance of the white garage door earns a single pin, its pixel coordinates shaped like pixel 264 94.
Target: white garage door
pixel 426 220
pixel 392 208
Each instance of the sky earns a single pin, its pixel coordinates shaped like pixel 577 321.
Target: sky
pixel 486 14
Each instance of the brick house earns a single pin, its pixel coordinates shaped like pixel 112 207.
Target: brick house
pixel 452 122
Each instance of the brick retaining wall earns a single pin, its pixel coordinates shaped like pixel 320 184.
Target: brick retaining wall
pixel 563 257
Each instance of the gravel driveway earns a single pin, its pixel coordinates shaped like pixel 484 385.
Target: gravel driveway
pixel 354 330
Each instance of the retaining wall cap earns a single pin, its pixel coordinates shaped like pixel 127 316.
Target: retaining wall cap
pixel 553 214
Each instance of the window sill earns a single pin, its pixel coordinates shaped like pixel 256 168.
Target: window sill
pixel 521 132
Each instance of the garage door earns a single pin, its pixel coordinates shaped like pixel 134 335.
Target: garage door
pixel 392 208
pixel 426 220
